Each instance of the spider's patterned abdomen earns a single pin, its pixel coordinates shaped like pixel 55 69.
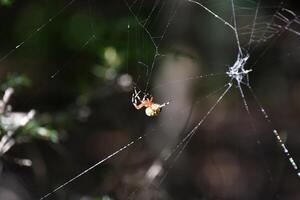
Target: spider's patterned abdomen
pixel 153 110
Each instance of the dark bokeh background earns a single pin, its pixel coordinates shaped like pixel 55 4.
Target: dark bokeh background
pixel 83 65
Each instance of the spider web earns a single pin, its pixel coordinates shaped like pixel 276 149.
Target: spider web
pixel 251 27
pixel 249 37
pixel 255 33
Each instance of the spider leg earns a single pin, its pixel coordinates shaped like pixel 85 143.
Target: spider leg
pixel 164 104
pixel 136 100
pixel 138 106
pixel 151 99
pixel 135 91
pixel 144 97
pixel 147 97
pixel 135 96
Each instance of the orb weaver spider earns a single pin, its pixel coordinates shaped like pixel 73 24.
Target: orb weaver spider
pixel 152 109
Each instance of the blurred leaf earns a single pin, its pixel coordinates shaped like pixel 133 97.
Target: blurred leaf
pixel 15 80
pixel 34 129
pixel 111 57
pixel 6 2
pixel 106 198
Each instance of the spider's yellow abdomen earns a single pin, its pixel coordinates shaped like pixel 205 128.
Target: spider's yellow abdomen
pixel 153 110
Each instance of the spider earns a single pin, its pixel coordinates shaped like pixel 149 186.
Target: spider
pixel 152 109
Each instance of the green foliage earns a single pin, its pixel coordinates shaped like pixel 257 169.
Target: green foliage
pixel 32 129
pixel 35 130
pixel 15 80
pixel 6 2
pixel 104 198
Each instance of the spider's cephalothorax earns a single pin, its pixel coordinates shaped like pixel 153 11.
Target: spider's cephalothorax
pixel 152 109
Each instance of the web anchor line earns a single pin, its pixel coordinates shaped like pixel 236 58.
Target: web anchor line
pixel 93 166
pixel 186 140
pixel 40 28
pixel 276 134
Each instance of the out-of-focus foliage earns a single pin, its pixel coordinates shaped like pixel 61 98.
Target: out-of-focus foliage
pixel 15 80
pixel 6 2
pixel 104 198
pixel 35 130
pixel 19 127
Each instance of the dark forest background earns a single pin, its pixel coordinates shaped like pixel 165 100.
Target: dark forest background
pixel 78 72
